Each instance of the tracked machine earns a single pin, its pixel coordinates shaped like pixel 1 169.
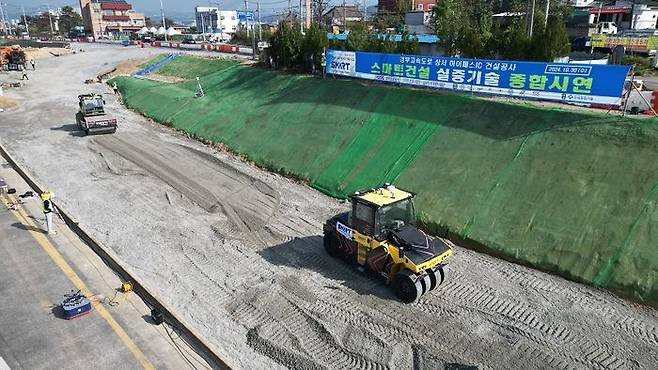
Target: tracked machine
pixel 12 58
pixel 379 233
pixel 91 117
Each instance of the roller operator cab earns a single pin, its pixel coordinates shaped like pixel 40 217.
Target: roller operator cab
pixel 379 233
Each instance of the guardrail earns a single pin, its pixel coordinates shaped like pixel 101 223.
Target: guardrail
pixel 221 48
pixel 192 336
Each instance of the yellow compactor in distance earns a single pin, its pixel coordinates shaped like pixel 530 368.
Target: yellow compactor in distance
pixel 379 233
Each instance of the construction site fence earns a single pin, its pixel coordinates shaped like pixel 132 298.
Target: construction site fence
pixel 216 47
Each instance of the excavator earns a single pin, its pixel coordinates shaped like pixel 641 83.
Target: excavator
pixel 379 234
pixel 12 58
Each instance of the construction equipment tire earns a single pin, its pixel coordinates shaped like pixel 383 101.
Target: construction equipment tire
pixel 406 286
pixel 434 279
pixel 331 245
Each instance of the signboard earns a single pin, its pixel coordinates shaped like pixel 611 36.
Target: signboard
pixel 246 15
pixel 635 43
pixel 588 84
pixel 344 230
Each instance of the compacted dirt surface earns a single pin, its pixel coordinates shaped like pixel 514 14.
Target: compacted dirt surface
pixel 238 253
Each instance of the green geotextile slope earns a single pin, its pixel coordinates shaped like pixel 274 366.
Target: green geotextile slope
pixel 569 192
pixel 187 67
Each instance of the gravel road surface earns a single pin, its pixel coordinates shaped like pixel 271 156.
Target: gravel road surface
pixel 238 252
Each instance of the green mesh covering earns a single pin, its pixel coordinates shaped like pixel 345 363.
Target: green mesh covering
pixel 574 193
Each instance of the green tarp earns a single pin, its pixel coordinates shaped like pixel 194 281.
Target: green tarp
pixel 570 192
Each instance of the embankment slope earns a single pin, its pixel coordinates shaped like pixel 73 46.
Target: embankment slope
pixel 571 192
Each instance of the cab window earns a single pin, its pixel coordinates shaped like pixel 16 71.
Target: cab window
pixel 363 218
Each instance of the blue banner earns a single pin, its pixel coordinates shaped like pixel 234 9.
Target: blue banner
pixel 576 83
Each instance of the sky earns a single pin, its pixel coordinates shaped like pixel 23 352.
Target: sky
pixel 177 8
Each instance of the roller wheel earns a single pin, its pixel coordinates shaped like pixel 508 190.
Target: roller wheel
pixel 435 280
pixel 331 245
pixel 406 287
pixel 425 283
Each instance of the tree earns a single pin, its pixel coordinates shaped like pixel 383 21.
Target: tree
pixel 286 46
pixel 448 21
pixel 465 28
pixel 403 6
pixel 384 20
pixel 318 8
pixel 69 20
pixel 314 43
pixel 408 44
pixel 39 24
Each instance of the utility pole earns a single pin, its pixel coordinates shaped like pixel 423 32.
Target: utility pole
pixel 308 14
pixel 344 18
pixel 4 23
pixel 253 34
pixel 164 25
pixel 260 25
pixel 548 5
pixel 50 18
pixel 532 18
pixel 203 27
pixel 27 28
pixel 246 17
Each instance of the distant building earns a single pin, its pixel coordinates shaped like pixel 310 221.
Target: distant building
pixel 417 5
pixel 581 3
pixel 110 18
pixel 626 15
pixel 206 18
pixel 418 22
pixel 212 20
pixel 339 15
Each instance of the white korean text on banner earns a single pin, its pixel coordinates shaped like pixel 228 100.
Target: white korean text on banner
pixel 587 84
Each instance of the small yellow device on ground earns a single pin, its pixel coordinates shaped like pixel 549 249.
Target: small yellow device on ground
pixel 127 286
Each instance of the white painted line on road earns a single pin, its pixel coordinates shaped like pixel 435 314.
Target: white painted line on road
pixel 3 364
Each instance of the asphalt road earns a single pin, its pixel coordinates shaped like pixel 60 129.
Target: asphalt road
pixel 37 269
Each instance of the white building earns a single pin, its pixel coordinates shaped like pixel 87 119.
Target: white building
pixel 581 3
pixel 228 21
pixel 210 19
pixel 626 15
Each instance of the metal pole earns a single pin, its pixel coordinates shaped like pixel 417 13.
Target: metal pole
pixel 344 18
pixel 260 25
pixel 246 19
pixel 2 18
pixel 5 23
pixel 27 28
pixel 164 25
pixel 308 14
pixel 203 28
pixel 301 27
pixel 532 18
pixel 50 18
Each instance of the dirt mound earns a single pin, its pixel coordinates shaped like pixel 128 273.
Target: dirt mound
pixel 42 53
pixel 6 102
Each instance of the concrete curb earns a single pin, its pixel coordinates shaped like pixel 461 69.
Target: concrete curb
pixel 112 262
